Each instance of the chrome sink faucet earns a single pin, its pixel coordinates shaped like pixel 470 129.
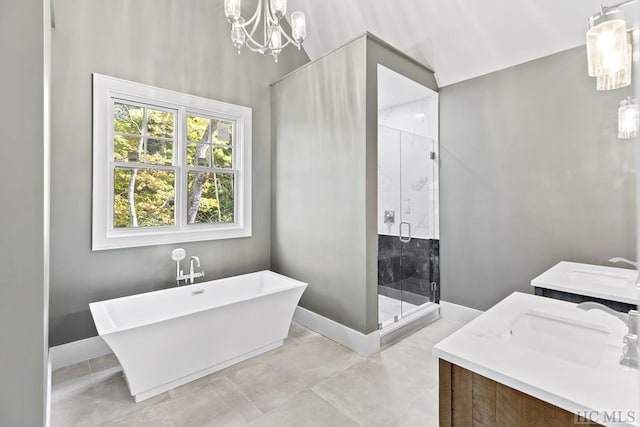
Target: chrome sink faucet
pixel 178 255
pixel 630 351
pixel 623 260
pixel 631 263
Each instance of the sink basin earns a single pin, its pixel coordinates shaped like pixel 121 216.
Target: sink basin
pixel 597 281
pixel 563 338
pixel 601 278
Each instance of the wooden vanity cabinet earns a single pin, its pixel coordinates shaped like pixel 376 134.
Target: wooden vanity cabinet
pixel 471 400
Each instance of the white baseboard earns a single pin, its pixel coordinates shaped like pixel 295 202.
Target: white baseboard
pixel 77 351
pixel 47 416
pixel 365 345
pixel 458 313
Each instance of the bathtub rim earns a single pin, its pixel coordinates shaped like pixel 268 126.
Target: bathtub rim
pixel 106 326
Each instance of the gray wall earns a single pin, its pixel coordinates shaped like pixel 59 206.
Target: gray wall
pixel 324 219
pixel 182 45
pixel 319 183
pixel 532 174
pixel 24 49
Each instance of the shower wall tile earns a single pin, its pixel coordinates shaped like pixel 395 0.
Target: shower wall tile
pixel 416 163
pixel 419 172
pixel 388 178
pixel 406 183
pixel 403 117
pixel 407 267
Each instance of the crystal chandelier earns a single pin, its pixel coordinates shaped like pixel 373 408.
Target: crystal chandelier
pixel 628 118
pixel 271 12
pixel 609 48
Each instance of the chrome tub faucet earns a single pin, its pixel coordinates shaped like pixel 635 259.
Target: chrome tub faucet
pixel 192 274
pixel 178 255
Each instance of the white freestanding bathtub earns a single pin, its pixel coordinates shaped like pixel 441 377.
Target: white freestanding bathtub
pixel 166 338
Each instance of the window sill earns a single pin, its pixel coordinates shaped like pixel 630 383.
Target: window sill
pixel 135 238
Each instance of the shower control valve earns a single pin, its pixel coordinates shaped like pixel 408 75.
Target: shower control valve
pixel 389 217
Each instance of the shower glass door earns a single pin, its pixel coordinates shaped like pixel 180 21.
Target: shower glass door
pixel 417 230
pixel 408 244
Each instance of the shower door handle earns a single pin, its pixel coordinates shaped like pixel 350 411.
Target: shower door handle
pixel 406 239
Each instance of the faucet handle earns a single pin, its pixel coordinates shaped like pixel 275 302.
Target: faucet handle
pixel 590 305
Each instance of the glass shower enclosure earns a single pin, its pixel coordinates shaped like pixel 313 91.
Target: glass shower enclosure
pixel 408 245
pixel 408 194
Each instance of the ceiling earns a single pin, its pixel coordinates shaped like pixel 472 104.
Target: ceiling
pixel 458 39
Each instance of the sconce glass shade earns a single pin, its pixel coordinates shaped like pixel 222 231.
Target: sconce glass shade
pixel 606 42
pixel 620 78
pixel 298 26
pixel 628 118
pixel 232 9
pixel 609 50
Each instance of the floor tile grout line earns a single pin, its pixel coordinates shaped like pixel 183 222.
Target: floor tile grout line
pixel 245 396
pixel 356 360
pixel 91 371
pixel 362 359
pixel 56 387
pixel 337 409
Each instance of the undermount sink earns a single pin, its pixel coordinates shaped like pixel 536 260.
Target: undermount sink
pixel 563 338
pixel 597 281
pixel 601 278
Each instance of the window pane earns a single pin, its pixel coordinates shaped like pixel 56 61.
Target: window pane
pixel 210 198
pixel 127 148
pixel 159 152
pixel 159 123
pixel 197 129
pixel 223 134
pixel 199 155
pixel 143 198
pixel 127 118
pixel 222 157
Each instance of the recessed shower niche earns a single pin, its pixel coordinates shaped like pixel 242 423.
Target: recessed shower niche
pixel 408 238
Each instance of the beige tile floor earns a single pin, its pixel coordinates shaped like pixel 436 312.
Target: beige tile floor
pixel 309 381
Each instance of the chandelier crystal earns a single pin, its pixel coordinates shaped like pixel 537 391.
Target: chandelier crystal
pixel 274 38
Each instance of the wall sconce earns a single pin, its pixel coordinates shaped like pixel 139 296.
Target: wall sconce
pixel 609 48
pixel 628 118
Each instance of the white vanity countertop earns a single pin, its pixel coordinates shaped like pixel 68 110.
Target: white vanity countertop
pixel 594 384
pixel 610 283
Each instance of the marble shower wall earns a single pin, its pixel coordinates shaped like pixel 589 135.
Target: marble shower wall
pixel 407 176
pixel 406 270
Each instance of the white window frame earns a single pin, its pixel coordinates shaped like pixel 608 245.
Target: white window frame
pixel 104 236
